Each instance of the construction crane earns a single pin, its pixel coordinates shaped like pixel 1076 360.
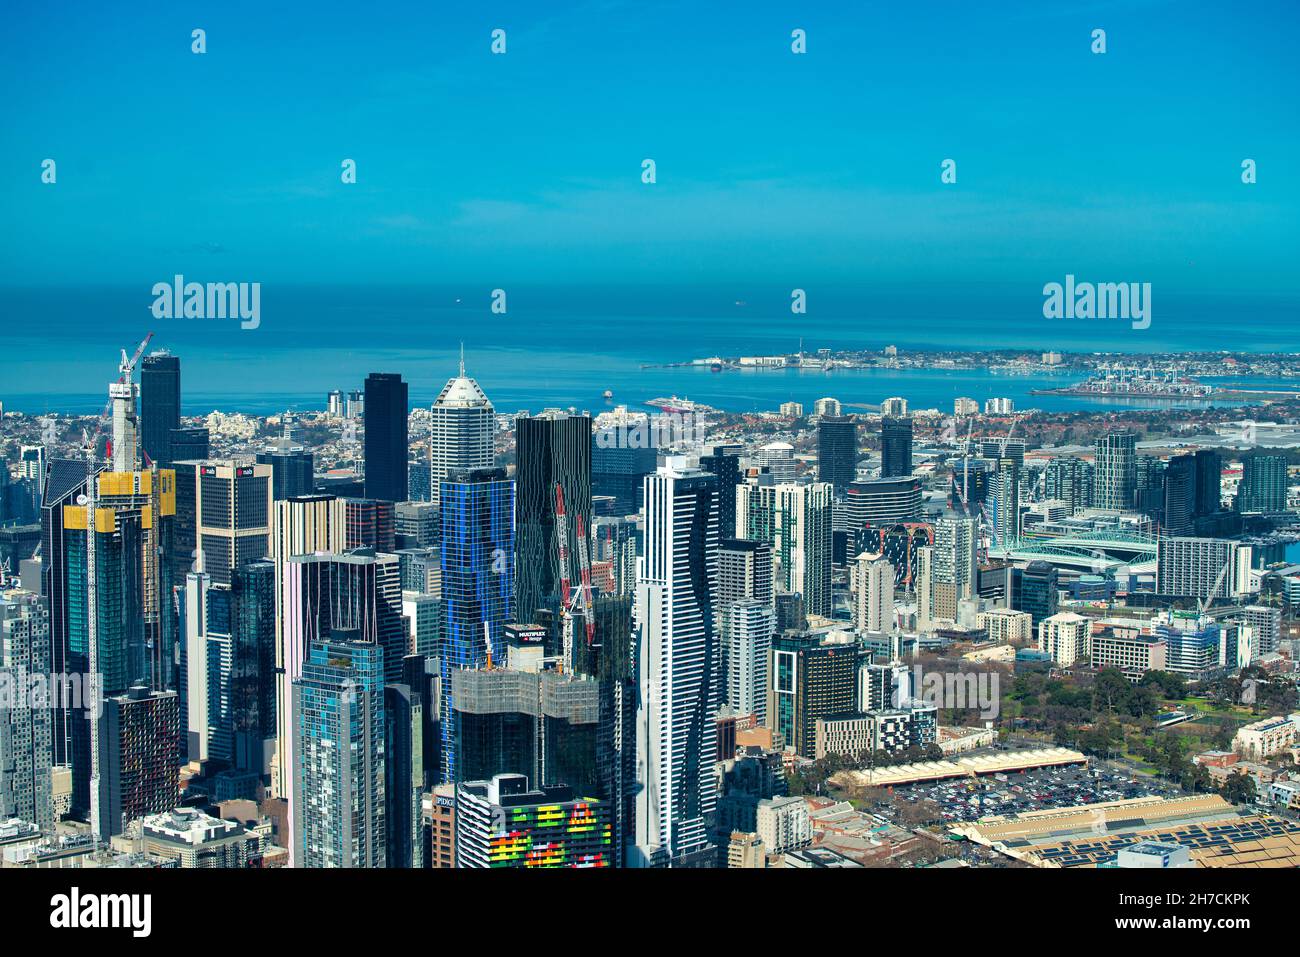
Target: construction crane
pixel 584 569
pixel 120 394
pixel 570 600
pixel 1214 591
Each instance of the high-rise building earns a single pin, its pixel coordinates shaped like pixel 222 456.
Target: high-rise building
pixel 725 464
pixel 160 404
pixel 1209 483
pixel 461 426
pixel 404 724
pixel 232 514
pixel 63 481
pixel 139 758
pixel 1069 480
pixel 1038 592
pixel 1180 495
pixel 677 631
pixel 26 731
pixel 303 525
pixel 619 467
pixel 551 449
pixel 293 469
pixel 517 719
pixel 751 624
pixel 385 440
pixel 116 569
pixel 189 444
pixel 895 447
pixel 1202 567
pixel 954 558
pixel 809 679
pixel 369 523
pixel 337 805
pixel 478 581
pixel 1115 472
pixel 883 502
pixel 1065 636
pixel 1263 484
pixel 796 521
pixel 324 594
pixel 874 594
pixel 415 524
pixel 1002 504
pixel 837 450
pixel 502 824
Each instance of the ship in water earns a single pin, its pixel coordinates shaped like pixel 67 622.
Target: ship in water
pixel 674 404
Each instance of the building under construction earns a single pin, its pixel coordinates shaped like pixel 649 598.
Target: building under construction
pixel 542 724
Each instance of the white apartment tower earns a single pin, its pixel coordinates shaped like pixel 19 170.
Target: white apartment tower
pixel 676 634
pixel 460 431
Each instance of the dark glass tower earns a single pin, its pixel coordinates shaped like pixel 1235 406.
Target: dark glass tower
pixel 726 466
pixel 552 448
pixel 895 447
pixel 837 450
pixel 160 404
pixel 386 452
pixel 1180 495
pixel 1209 477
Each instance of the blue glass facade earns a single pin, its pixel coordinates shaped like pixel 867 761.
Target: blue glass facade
pixel 478 580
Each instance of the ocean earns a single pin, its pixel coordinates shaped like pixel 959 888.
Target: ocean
pixel 565 347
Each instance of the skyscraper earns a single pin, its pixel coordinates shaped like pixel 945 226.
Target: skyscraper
pixel 1209 483
pixel 323 594
pixel 1180 495
pixel 337 807
pixel 478 581
pixel 1039 592
pixel 461 425
pixel 160 404
pixel 225 508
pixel 725 464
pixel 1003 502
pixel 953 559
pixel 895 447
pixel 676 632
pixel 292 468
pixel 502 824
pixel 809 679
pixel 1115 472
pixel 837 450
pixel 26 732
pixel 874 597
pixel 796 521
pixel 751 626
pixel 1263 485
pixel 385 443
pixel 551 449
pixel 139 758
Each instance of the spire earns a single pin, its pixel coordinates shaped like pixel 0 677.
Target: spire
pixel 462 358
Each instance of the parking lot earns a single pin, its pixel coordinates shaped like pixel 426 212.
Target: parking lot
pixel 968 799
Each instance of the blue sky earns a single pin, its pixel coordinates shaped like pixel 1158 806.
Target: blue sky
pixel 525 168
